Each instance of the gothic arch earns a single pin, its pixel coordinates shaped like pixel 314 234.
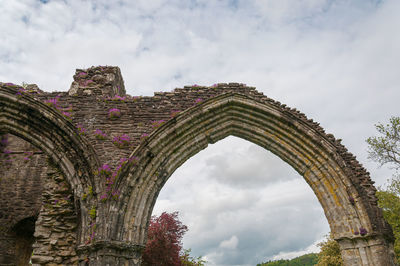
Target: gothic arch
pixel 28 118
pixel 341 184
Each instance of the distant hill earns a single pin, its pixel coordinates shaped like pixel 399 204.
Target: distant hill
pixel 305 260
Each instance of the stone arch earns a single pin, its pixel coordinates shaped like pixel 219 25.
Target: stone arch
pixel 44 127
pixel 341 184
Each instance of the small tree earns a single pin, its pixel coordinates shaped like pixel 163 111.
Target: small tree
pixel 164 240
pixel 330 253
pixel 385 149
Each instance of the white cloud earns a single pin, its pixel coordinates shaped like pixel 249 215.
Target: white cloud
pixel 230 243
pixel 290 255
pixel 281 215
pixel 335 60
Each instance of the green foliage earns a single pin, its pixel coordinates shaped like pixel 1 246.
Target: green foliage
pixel 330 253
pixel 305 260
pixel 188 260
pixel 389 201
pixel 92 213
pixel 385 149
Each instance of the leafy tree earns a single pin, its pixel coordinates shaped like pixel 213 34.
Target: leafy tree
pixel 164 240
pixel 164 243
pixel 389 201
pixel 330 253
pixel 385 149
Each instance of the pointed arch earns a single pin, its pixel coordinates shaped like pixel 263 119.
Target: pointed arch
pixel 44 127
pixel 341 184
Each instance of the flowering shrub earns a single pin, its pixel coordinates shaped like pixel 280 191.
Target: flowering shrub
pixel 100 134
pixel 20 92
pixel 110 192
pixel 198 100
pixel 122 162
pixel 363 231
pixel 28 156
pixel 66 112
pixel 157 123
pixel 66 115
pixel 114 113
pixel 10 84
pixel 115 194
pixel 117 98
pixel 104 197
pixel 105 170
pixel 82 74
pixel 122 141
pixel 144 136
pixel 88 82
pixel 214 85
pixel 53 102
pixel 81 129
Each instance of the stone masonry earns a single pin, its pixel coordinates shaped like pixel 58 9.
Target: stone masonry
pixel 81 170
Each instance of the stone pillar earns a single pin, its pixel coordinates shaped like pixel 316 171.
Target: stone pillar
pixel 368 250
pixel 56 226
pixel 110 253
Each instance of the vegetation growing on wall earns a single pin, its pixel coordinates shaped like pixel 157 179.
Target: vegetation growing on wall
pixel 385 149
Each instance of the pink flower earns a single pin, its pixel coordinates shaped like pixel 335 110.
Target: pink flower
pixel 144 136
pixel 103 197
pixel 88 82
pixel 114 113
pixel 100 134
pixel 52 102
pixel 82 74
pixel 81 129
pixel 105 170
pixel 118 98
pixel 122 141
pixel 66 114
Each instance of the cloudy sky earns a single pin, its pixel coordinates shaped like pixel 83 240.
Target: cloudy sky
pixel 335 60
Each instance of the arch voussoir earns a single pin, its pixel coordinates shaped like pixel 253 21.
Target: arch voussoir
pixel 44 127
pixel 317 156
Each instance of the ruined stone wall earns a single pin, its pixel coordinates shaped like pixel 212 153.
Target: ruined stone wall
pixel 57 224
pixel 21 172
pixel 114 125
